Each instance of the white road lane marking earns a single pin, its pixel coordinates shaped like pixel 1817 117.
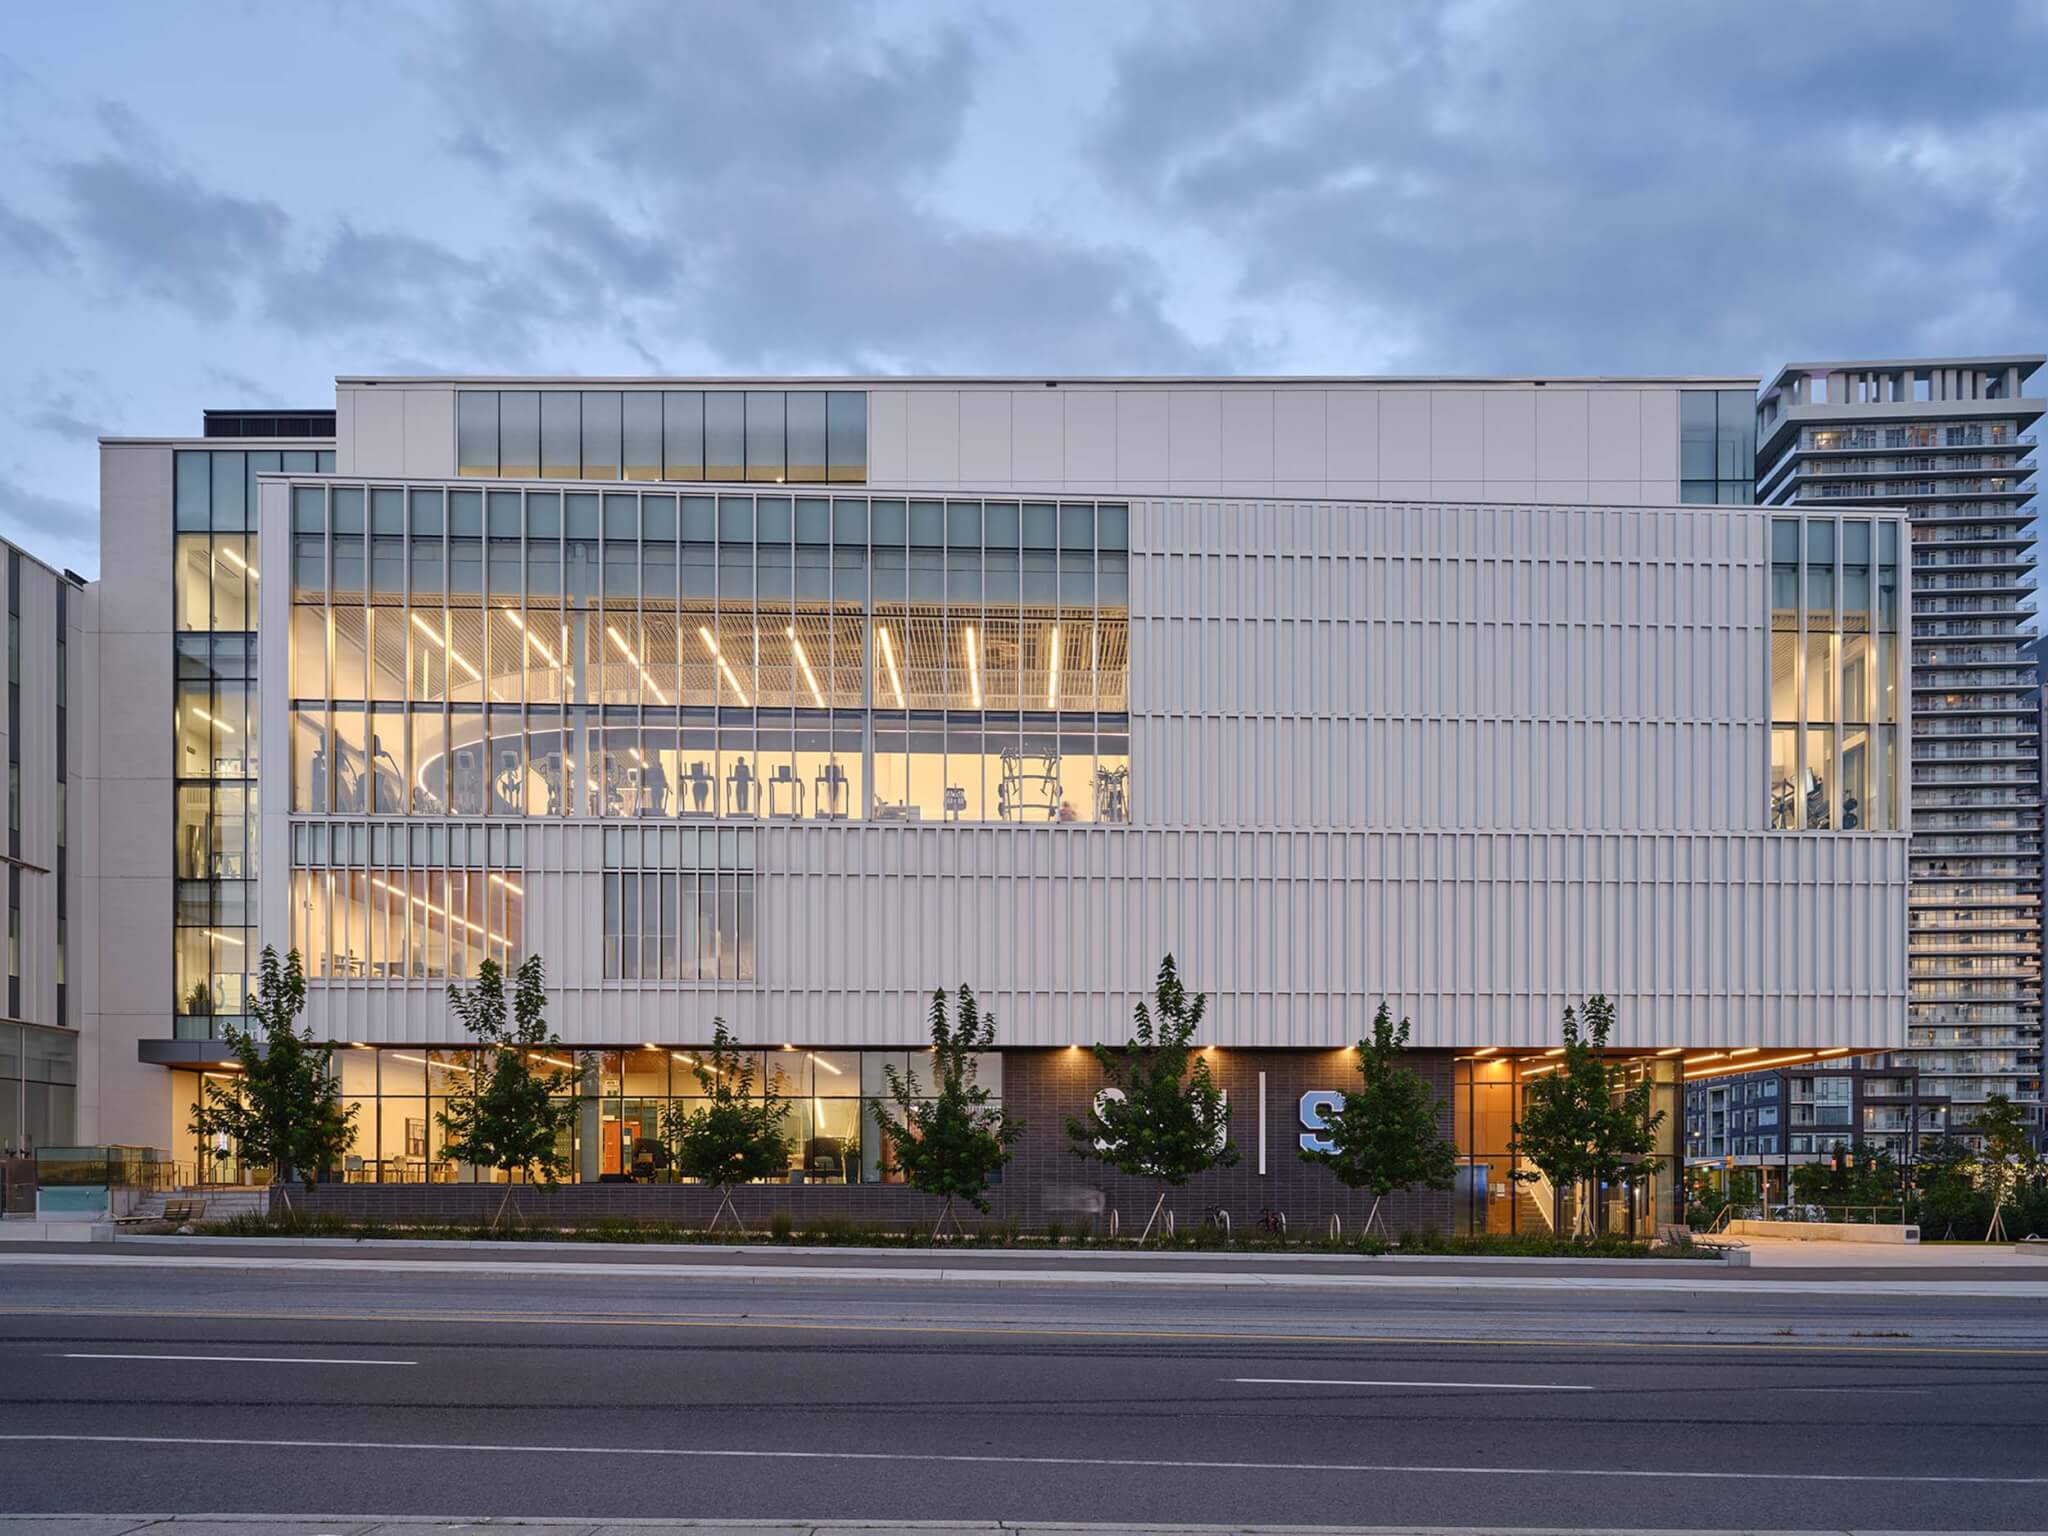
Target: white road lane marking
pixel 244 1359
pixel 686 1453
pixel 1477 1386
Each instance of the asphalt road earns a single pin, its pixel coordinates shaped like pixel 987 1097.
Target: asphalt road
pixel 481 1390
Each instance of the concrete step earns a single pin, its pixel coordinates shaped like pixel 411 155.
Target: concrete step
pixel 220 1204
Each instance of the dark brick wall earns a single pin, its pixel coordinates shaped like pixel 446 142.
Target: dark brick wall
pixel 1043 1181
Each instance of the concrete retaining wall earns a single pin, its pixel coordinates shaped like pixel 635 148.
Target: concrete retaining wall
pixel 1826 1231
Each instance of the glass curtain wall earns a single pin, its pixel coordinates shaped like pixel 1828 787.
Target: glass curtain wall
pixel 778 437
pixel 457 652
pixel 214 726
pixel 1834 683
pixel 622 1097
pixel 1487 1097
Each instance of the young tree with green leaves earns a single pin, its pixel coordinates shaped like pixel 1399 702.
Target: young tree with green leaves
pixel 736 1136
pixel 1384 1135
pixel 284 1106
pixel 1161 1117
pixel 2008 1159
pixel 506 1114
pixel 951 1141
pixel 1585 1124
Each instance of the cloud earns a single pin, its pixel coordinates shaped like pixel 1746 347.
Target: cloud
pixel 1575 188
pixel 768 183
pixel 29 245
pixel 53 527
pixel 156 229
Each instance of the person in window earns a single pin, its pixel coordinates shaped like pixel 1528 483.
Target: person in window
pixel 1066 811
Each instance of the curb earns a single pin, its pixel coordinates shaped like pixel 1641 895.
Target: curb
pixel 1731 1256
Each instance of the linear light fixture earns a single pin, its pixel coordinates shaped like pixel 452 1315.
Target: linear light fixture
pixel 718 656
pixel 821 1061
pixel 240 564
pixel 532 639
pixel 421 901
pixel 454 655
pixel 445 1066
pixel 645 676
pixel 973 668
pixel 889 661
pixel 804 661
pixel 1052 672
pixel 514 888
pixel 224 938
pixel 212 720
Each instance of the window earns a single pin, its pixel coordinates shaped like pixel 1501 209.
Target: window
pixel 768 436
pixel 1717 446
pixel 716 656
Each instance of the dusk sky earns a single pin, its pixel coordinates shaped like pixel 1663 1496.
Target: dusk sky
pixel 229 204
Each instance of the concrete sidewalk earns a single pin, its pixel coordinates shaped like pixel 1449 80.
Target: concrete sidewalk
pixel 420 1525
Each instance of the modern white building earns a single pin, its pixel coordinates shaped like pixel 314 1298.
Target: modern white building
pixel 784 701
pixel 41 736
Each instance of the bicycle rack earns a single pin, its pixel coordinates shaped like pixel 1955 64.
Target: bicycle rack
pixel 1336 1227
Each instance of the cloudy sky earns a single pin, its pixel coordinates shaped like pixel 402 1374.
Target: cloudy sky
pixel 228 204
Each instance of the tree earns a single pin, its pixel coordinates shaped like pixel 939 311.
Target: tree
pixel 284 1108
pixel 1948 1194
pixel 952 1143
pixel 506 1115
pixel 1384 1136
pixel 735 1137
pixel 2009 1158
pixel 1585 1124
pixel 1162 1117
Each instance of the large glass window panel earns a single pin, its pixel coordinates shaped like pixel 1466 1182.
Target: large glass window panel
pixel 476 432
pixel 234 562
pixel 561 434
pixel 1820 574
pixel 519 434
pixel 192 583
pixel 1785 677
pixel 1784 778
pixel 506 762
pixel 351 761
pixel 682 428
pixel 1697 425
pixel 927 772
pixel 1888 776
pixel 1857 679
pixel 1112 774
pixel 309 758
pixel 641 419
pixel 1855 787
pixel 806 430
pixel 466 756
pixel 725 434
pixel 192 495
pixel 847 434
pixel 230 491
pixel 1819 781
pixel 388 647
pixel 546 783
pixel 427 673
pixel 504 654
pixel 601 434
pixel 765 447
pixel 387 757
pixel 1735 436
pixel 1820 679
pixel 892 800
pixel 309 652
pixel 1033 785
pixel 427 780
pixel 465 655
pixel 846 683
pixel 1888 679
pixel 739 762
pixel 697 783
